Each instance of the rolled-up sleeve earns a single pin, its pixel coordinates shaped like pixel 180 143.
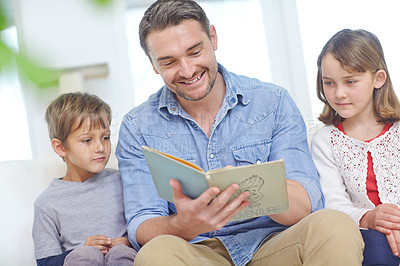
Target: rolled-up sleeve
pixel 290 143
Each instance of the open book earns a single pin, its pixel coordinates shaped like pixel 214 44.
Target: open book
pixel 266 182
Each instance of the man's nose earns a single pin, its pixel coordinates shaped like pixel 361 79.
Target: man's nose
pixel 187 68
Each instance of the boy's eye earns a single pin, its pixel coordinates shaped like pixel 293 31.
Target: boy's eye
pixel 106 138
pixel 351 82
pixel 328 83
pixel 86 141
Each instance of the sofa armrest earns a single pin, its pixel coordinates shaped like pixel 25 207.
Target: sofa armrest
pixel 21 182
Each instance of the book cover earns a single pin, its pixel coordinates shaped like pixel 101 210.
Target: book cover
pixel 266 182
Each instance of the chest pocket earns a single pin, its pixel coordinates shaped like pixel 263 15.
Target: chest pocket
pixel 252 153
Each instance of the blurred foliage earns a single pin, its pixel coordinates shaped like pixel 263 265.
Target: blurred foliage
pixel 103 2
pixel 42 77
pixel 6 56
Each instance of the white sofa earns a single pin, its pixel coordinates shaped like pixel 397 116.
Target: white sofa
pixel 20 184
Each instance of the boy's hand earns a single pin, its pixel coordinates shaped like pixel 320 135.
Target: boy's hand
pixel 101 242
pixel 120 240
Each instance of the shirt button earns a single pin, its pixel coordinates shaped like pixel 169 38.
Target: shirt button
pixel 258 161
pixel 211 156
pixel 173 109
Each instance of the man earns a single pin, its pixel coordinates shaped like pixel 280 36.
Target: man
pixel 215 118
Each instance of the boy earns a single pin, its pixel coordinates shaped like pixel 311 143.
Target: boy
pixel 79 219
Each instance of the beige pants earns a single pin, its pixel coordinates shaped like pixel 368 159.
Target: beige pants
pixel 326 237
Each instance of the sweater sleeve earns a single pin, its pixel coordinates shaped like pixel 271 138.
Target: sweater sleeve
pixel 46 237
pixel 53 260
pixel 332 183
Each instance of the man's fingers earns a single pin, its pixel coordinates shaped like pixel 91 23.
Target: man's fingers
pixel 224 197
pixel 228 209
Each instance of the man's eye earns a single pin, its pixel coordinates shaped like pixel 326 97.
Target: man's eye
pixel 166 64
pixel 106 138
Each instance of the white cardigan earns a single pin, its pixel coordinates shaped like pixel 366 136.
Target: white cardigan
pixel 342 164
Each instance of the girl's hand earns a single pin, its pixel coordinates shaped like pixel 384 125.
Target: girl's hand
pixel 394 241
pixel 383 218
pixel 101 242
pixel 120 240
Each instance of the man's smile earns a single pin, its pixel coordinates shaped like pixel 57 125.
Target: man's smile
pixel 193 80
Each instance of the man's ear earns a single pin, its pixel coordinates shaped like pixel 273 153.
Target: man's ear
pixel 380 79
pixel 213 35
pixel 154 68
pixel 58 147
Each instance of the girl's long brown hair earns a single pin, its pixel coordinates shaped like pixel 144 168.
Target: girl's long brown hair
pixel 361 51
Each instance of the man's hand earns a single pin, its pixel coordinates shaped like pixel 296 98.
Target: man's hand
pixel 99 241
pixel 209 212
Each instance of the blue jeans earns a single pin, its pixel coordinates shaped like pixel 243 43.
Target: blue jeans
pixel 377 250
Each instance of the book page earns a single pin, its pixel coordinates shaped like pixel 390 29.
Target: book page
pixel 177 159
pixel 266 183
pixel 164 167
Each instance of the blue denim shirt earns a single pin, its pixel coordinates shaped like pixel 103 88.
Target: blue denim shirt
pixel 257 122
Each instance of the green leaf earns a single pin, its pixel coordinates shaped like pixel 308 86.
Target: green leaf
pixel 42 77
pixel 6 56
pixel 5 17
pixel 102 2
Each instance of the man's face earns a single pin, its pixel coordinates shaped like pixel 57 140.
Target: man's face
pixel 184 57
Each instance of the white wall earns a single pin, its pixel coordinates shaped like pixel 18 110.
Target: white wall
pixel 74 33
pixel 285 50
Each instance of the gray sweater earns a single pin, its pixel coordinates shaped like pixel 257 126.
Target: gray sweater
pixel 67 212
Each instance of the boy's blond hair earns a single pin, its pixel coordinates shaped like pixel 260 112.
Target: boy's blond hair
pixel 66 109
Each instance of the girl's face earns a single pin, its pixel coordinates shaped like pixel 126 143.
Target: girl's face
pixel 350 93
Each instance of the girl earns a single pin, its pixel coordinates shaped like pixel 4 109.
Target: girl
pixel 357 152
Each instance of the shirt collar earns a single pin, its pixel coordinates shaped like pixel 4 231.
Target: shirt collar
pixel 234 88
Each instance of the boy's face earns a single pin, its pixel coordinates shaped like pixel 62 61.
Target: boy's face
pixel 87 150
